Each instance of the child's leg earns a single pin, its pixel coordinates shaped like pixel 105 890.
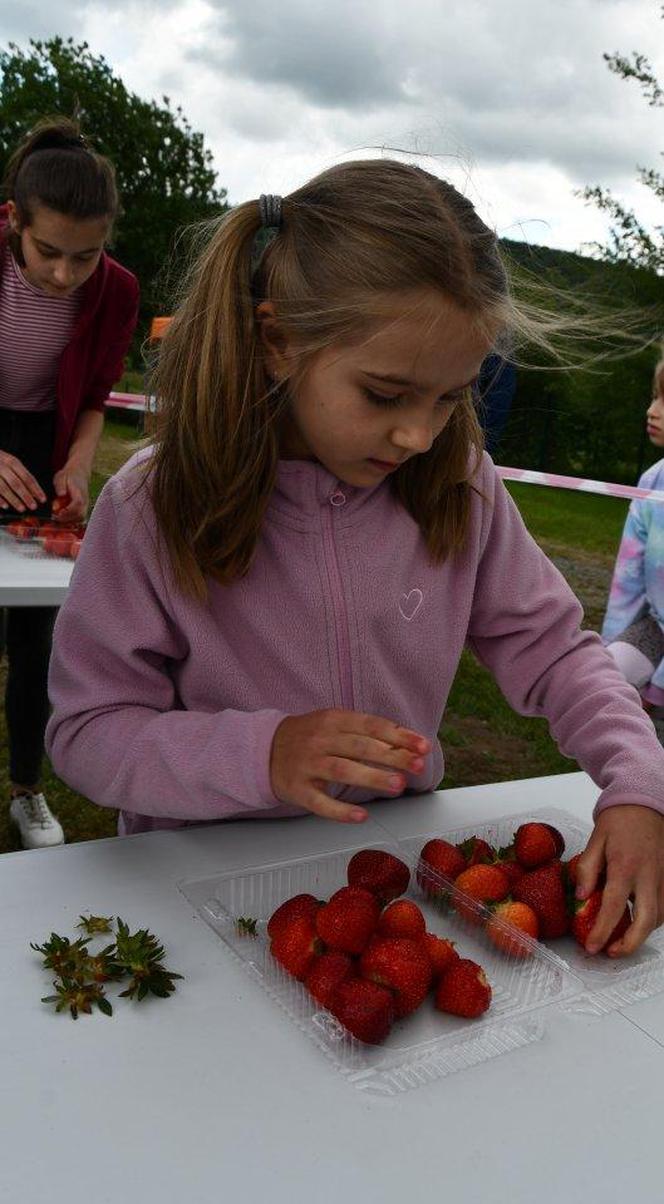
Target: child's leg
pixel 638 650
pixel 28 645
pixel 634 666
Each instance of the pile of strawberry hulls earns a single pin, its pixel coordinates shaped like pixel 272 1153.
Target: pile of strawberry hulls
pixel 56 538
pixel 525 885
pixel 366 955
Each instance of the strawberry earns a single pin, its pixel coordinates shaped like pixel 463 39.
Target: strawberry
pixel 400 965
pixel 520 916
pixel 296 945
pixel 485 884
pixel 298 905
pixel 463 990
pixel 505 859
pixel 60 502
pixel 443 858
pixel 586 912
pixel 537 843
pixel 325 975
pixel 383 874
pixel 543 890
pixel 348 920
pixel 364 1008
pixel 441 953
pixel 402 918
pixel 476 851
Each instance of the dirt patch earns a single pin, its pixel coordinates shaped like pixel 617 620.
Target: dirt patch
pixel 589 577
pixel 475 753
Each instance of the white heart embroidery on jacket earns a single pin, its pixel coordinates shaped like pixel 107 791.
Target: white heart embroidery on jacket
pixel 410 604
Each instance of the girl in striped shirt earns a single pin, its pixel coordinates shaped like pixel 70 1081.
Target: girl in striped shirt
pixel 67 315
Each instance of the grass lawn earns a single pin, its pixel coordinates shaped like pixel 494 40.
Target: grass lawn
pixel 484 740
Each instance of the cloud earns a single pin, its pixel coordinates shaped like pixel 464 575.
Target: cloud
pixel 513 95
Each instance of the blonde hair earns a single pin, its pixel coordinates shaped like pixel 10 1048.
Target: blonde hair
pixel 658 374
pixel 349 238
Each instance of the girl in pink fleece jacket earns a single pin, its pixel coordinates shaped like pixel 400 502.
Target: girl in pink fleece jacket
pixel 270 604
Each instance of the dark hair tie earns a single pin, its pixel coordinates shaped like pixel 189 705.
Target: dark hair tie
pixel 270 209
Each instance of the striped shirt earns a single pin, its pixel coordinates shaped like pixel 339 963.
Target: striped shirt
pixel 34 331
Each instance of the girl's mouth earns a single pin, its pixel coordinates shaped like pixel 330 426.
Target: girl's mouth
pixel 383 465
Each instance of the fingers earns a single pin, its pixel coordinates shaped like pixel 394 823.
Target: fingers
pixel 364 748
pixel 589 867
pixel 386 731
pixel 18 488
pixel 320 803
pixel 334 746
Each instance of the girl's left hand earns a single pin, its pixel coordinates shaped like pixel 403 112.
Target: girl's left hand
pixel 74 480
pixel 628 842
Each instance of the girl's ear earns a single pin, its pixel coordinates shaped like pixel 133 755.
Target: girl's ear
pixel 275 342
pixel 12 214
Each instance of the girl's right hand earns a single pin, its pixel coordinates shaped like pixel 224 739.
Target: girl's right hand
pixel 18 488
pixel 308 751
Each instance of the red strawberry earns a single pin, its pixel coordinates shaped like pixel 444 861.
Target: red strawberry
pixel 441 953
pixel 299 905
pixel 402 918
pixel 383 874
pixel 365 1009
pixel 484 883
pixel 543 890
pixel 476 851
pixel 325 975
pixel 463 990
pixel 400 965
pixel 537 843
pixel 296 945
pixel 520 916
pixel 586 912
pixel 505 859
pixel 348 920
pixel 443 858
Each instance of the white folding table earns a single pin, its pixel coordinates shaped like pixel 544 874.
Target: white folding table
pixel 215 1096
pixel 30 579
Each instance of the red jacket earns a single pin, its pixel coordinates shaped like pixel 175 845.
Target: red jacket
pixel 93 359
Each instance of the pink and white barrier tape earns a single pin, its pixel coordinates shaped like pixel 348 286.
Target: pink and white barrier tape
pixel 580 484
pixel 136 401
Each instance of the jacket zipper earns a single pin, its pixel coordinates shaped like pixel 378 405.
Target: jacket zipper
pixel 340 609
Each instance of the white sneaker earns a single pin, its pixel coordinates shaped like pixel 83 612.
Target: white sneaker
pixel 38 826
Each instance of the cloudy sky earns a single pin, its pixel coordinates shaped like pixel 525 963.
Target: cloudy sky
pixel 511 97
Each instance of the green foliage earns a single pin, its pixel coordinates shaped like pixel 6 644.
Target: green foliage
pixel 588 422
pixel 164 171
pixel 628 239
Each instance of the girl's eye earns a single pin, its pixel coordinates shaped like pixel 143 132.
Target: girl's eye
pixel 380 399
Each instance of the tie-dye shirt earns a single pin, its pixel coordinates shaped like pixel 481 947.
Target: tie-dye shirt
pixel 637 588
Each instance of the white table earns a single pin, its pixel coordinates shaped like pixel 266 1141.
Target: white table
pixel 29 580
pixel 215 1096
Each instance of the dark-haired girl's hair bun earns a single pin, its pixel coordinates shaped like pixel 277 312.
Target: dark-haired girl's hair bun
pixel 44 171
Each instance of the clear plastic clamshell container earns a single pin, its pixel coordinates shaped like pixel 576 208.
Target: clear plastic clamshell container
pixel 606 984
pixel 423 1046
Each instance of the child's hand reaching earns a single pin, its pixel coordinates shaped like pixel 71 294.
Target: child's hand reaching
pixel 308 751
pixel 628 841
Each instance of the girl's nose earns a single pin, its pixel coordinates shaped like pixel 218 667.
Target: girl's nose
pixel 414 435
pixel 63 274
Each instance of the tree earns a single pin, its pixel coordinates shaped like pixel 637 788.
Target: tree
pixel 628 239
pixel 164 171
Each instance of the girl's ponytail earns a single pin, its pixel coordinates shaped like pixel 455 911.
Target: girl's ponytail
pixel 54 166
pixel 216 443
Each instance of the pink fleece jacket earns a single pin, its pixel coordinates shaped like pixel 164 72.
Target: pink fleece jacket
pixel 166 708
